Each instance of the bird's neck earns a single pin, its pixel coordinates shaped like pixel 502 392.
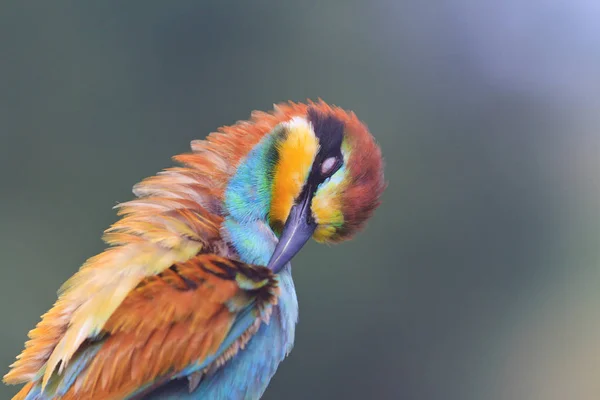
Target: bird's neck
pixel 247 204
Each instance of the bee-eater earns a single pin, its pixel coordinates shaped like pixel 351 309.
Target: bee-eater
pixel 194 297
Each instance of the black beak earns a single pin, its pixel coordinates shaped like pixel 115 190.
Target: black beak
pixel 298 228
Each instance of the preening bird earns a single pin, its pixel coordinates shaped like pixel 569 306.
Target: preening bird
pixel 194 297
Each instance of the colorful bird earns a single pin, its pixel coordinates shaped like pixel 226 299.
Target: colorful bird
pixel 194 297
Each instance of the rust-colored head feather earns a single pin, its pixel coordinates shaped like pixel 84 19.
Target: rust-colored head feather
pixel 362 195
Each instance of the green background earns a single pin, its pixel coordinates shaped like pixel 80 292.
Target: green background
pixel 477 278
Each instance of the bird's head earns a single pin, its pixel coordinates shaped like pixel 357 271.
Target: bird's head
pixel 326 179
pixel 311 171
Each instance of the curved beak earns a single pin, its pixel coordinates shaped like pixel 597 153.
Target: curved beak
pixel 298 228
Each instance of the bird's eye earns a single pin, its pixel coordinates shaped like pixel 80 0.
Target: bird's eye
pixel 328 165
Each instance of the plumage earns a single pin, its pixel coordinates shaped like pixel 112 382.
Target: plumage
pixel 180 305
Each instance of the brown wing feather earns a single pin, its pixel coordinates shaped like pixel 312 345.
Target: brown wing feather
pixel 171 320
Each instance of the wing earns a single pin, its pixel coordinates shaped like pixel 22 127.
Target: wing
pixel 146 242
pixel 188 319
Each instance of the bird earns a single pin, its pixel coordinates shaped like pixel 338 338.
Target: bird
pixel 193 297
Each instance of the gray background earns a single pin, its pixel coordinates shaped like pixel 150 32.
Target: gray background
pixel 477 278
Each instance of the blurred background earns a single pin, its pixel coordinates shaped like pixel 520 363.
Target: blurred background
pixel 479 276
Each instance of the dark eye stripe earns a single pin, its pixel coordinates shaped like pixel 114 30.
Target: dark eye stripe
pixel 328 129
